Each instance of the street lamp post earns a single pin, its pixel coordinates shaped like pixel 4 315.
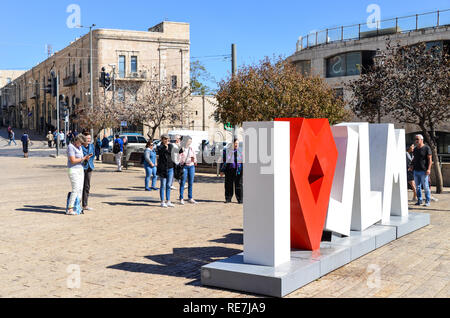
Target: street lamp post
pixel 91 95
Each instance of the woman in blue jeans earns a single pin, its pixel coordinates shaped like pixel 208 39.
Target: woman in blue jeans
pixel 188 160
pixel 150 166
pixel 165 170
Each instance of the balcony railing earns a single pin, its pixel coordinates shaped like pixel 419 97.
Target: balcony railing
pixel 383 27
pixel 139 76
pixel 70 81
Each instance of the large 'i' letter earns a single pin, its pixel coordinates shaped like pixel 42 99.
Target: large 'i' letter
pixel 313 163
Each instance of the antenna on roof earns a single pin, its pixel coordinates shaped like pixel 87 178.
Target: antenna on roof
pixel 49 49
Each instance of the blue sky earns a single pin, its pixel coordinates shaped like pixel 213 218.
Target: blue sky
pixel 259 28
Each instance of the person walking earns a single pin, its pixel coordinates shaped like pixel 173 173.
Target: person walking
pixel 421 165
pixel 49 139
pixel 12 138
pixel 150 166
pixel 165 170
pixel 25 144
pixel 188 160
pixel 232 168
pixel 410 173
pixel 62 139
pixel 75 160
pixel 105 145
pixel 98 147
pixel 55 138
pixel 69 137
pixel 118 152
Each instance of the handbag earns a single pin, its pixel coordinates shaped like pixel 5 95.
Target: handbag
pixel 77 206
pixel 179 172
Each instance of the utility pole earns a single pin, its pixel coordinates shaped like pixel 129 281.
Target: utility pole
pixel 57 115
pixel 233 72
pixel 91 96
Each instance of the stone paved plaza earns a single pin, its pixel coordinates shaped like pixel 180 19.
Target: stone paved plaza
pixel 129 247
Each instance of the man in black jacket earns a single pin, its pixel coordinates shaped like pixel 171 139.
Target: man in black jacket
pixel 165 170
pixel 232 168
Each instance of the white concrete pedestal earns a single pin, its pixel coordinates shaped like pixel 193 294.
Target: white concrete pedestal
pixel 307 266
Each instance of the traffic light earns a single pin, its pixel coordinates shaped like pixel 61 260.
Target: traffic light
pixel 62 104
pixel 103 77
pixel 48 87
pixel 107 80
pixel 54 84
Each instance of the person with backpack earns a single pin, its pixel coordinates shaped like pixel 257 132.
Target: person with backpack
pixel 118 152
pixel 25 143
pixel 150 166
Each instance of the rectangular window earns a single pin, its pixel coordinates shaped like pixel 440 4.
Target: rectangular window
pixel 174 82
pixel 134 64
pixel 367 60
pixel 122 66
pixel 304 67
pixel 336 66
pixel 353 63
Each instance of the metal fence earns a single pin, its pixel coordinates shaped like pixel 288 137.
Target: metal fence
pixel 358 31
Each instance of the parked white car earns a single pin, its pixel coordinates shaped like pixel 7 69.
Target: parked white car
pixel 197 137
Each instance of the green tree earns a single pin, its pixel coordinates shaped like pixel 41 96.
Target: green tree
pixel 199 75
pixel 274 88
pixel 411 85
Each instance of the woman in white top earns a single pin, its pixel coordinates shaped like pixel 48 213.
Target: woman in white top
pixel 75 158
pixel 188 160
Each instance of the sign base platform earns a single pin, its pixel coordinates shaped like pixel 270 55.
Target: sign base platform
pixel 307 266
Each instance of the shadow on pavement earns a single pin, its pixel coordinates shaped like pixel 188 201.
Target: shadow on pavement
pixel 232 238
pixel 126 204
pixel 183 262
pixel 127 189
pixel 43 209
pixel 208 179
pixel 428 209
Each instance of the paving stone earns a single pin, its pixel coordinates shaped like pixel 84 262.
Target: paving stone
pixel 129 247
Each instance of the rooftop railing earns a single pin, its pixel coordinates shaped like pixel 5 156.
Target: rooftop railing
pixel 403 24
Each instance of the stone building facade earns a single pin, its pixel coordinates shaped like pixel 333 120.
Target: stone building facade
pixel 6 77
pixel 134 55
pixel 342 61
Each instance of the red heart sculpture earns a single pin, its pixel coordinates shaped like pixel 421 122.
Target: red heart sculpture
pixel 313 164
